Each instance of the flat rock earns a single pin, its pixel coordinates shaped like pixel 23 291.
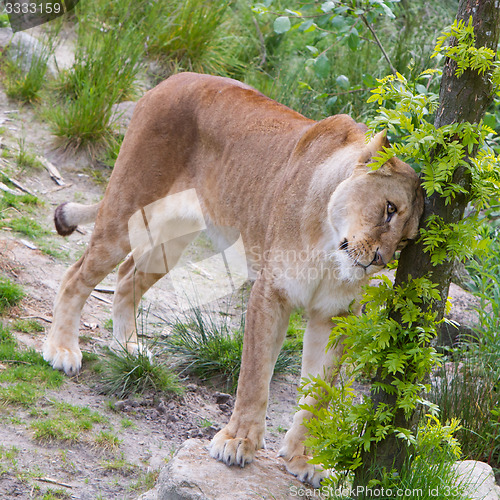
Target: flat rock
pixel 193 475
pixel 479 480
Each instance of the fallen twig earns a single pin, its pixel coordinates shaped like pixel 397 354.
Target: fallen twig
pixel 52 170
pixel 37 317
pixel 53 481
pixel 102 299
pixel 17 184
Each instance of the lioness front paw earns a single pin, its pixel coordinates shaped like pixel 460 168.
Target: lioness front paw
pixel 233 450
pixel 306 472
pixel 66 359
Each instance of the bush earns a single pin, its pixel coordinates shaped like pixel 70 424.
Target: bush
pixel 25 77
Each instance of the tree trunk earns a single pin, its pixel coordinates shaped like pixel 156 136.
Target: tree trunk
pixel 463 99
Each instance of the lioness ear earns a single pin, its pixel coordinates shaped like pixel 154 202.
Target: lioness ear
pixel 376 144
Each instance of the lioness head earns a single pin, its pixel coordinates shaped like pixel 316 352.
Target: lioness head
pixel 374 213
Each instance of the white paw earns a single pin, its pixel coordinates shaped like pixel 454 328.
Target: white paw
pixel 232 450
pixel 306 472
pixel 63 358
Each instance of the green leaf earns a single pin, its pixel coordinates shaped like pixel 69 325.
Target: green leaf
pixel 307 26
pixel 282 25
pixel 343 82
pixel 353 39
pixel 338 22
pixel 322 66
pixel 332 101
pixel 327 7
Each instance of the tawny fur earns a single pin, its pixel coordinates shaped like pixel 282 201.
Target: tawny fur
pixel 314 220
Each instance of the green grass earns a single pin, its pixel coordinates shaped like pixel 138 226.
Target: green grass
pixel 204 37
pixel 107 62
pixel 27 226
pixel 204 345
pixel 107 440
pixel 26 85
pixel 20 394
pixel 28 326
pixel 25 158
pixel 121 466
pixel 17 212
pixel 26 375
pixel 20 202
pixel 124 374
pixel 10 295
pixel 67 423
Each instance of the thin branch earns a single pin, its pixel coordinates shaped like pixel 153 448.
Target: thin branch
pixel 381 47
pixel 53 481
pixel 351 91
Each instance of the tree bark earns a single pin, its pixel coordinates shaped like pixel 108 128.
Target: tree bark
pixel 462 99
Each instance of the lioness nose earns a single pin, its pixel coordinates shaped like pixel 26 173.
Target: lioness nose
pixel 378 260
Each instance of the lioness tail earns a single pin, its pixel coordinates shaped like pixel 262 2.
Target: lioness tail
pixel 69 215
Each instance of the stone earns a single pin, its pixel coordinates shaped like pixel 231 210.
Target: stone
pixel 23 47
pixel 222 398
pixel 193 475
pixel 478 479
pixel 122 113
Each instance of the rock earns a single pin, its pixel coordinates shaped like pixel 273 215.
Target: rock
pixel 23 47
pixel 120 405
pixel 123 112
pixel 193 475
pixel 479 480
pixel 222 398
pixel 463 313
pixel 5 36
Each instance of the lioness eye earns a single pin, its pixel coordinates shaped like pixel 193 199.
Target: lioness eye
pixel 391 210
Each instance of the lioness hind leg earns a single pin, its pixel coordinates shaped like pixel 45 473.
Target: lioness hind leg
pixel 132 284
pixel 265 329
pixel 316 361
pixel 102 255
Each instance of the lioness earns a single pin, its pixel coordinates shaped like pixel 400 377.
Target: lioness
pixel 316 222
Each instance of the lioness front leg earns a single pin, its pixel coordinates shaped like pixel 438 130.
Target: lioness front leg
pixel 266 325
pixel 316 361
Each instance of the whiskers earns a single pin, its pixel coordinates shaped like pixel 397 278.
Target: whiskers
pixel 355 253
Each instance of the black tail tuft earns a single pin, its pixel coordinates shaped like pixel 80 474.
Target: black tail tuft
pixel 60 221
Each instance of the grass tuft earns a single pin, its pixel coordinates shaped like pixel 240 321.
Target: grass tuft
pixel 10 294
pixel 28 326
pixel 124 373
pixel 204 345
pixel 66 422
pixel 25 78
